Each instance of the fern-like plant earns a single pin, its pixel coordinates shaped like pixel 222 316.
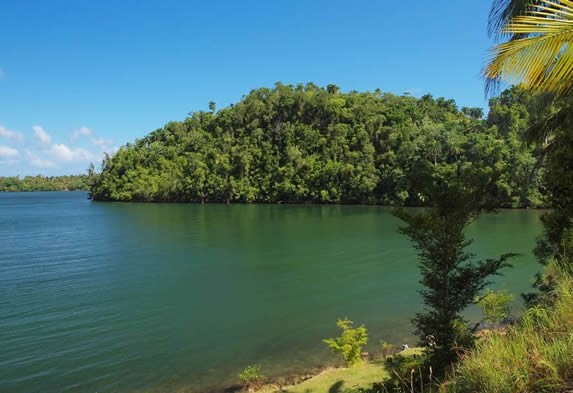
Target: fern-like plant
pixel 349 344
pixel 251 377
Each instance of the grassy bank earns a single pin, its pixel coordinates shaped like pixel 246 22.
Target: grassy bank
pixel 334 380
pixel 534 356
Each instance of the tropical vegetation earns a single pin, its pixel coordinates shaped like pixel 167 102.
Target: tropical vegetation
pixel 451 277
pixel 45 183
pixel 534 356
pixel 314 144
pixel 349 344
pixel 307 143
pixel 539 54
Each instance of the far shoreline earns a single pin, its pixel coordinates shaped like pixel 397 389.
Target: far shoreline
pixel 279 203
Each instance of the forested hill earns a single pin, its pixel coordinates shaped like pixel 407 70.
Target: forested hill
pixel 306 143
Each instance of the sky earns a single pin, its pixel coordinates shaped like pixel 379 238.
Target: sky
pixel 80 77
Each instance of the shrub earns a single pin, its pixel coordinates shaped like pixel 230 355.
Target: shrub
pixel 495 305
pixel 387 348
pixel 533 356
pixel 350 342
pixel 251 377
pixel 408 373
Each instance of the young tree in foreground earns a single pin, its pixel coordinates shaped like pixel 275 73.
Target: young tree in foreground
pixel 251 377
pixel 349 344
pixel 451 277
pixel 495 305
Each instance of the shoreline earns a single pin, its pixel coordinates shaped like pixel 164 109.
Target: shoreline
pixel 373 370
pixel 302 203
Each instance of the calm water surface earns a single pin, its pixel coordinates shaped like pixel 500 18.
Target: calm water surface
pixel 119 297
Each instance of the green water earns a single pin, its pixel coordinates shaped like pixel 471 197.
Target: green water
pixel 118 297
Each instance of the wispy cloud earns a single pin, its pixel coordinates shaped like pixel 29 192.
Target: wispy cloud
pixel 41 163
pixel 82 131
pixel 61 152
pixel 2 74
pixel 11 135
pixel 85 147
pixel 42 135
pixel 8 152
pixel 38 162
pixel 103 143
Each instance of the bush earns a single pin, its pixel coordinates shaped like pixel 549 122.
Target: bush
pixel 350 342
pixel 495 305
pixel 533 356
pixel 251 377
pixel 387 348
pixel 410 373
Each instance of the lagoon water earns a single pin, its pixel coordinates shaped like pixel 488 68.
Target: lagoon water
pixel 122 297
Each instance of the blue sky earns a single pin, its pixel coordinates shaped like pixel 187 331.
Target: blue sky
pixel 78 78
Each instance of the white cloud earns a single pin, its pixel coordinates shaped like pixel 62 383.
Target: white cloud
pixel 8 152
pixel 42 135
pixel 50 153
pixel 82 131
pixel 61 152
pixel 103 143
pixel 40 162
pixel 12 135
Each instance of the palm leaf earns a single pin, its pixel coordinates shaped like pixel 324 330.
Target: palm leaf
pixel 503 10
pixel 543 57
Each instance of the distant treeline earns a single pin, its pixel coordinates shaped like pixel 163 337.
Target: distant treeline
pixel 306 143
pixel 44 183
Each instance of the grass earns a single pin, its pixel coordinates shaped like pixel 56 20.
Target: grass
pixel 534 356
pixel 335 380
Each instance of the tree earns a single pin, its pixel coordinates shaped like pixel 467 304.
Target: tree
pixel 451 277
pixel 251 377
pixel 349 344
pixel 311 144
pixel 495 305
pixel 559 183
pixel 502 11
pixel 540 53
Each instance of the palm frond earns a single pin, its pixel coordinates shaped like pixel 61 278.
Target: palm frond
pixel 502 11
pixel 543 58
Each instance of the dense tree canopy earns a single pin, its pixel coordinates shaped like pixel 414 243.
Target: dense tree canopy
pixel 45 183
pixel 306 143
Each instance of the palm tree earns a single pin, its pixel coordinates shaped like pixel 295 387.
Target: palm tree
pixel 539 53
pixel 503 10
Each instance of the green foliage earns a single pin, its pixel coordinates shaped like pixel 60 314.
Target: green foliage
pixel 408 373
pixel 46 183
pixel 251 377
pixel 451 278
pixel 534 356
pixel 558 179
pixel 349 344
pixel 386 349
pixel 495 305
pixel 305 143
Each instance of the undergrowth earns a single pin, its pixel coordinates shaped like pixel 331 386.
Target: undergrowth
pixel 536 355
